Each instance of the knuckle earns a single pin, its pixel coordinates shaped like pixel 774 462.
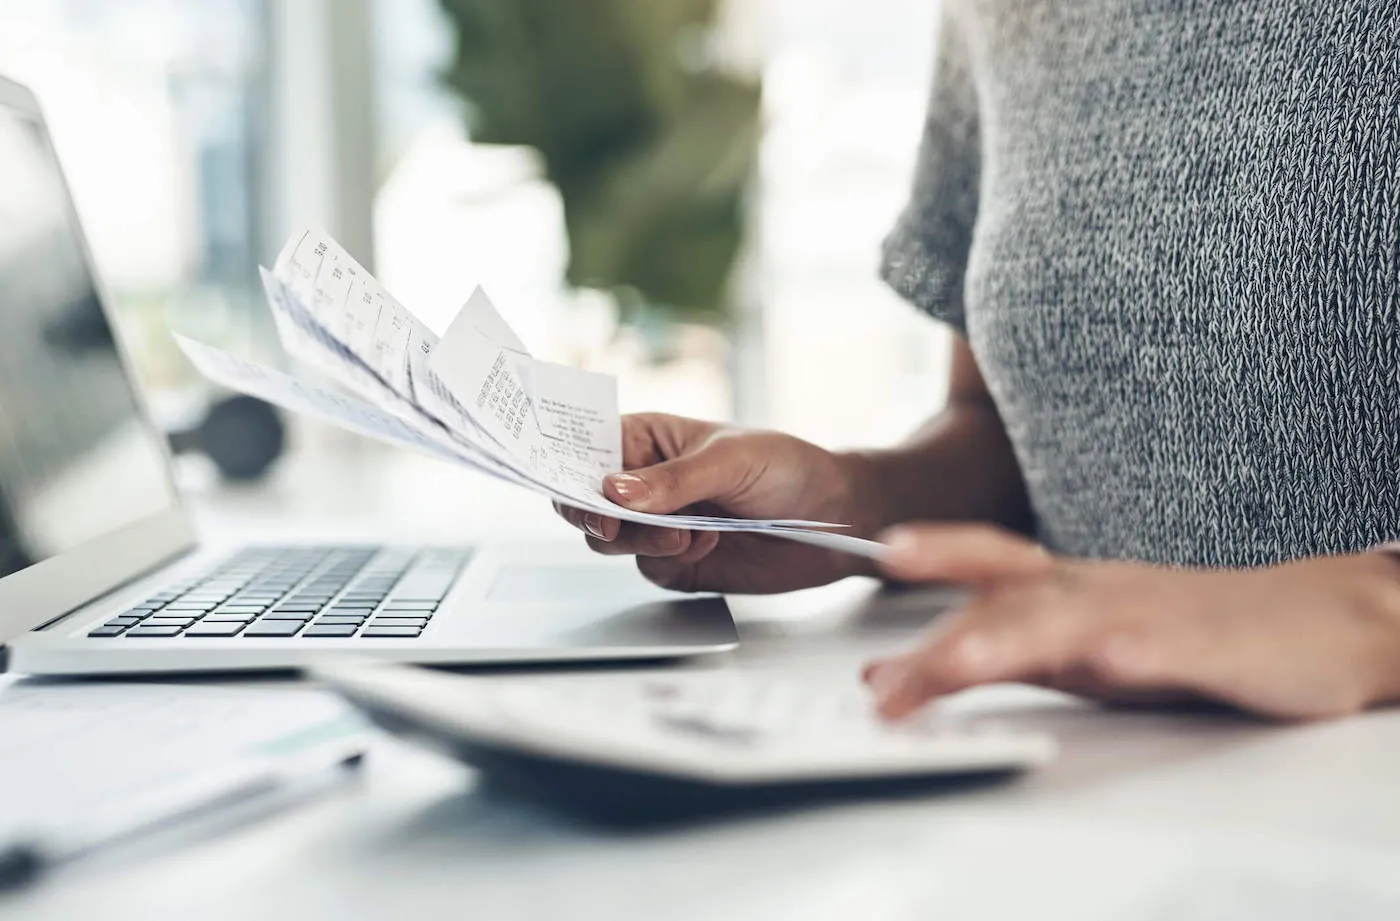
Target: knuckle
pixel 671 543
pixel 654 542
pixel 1119 654
pixel 638 445
pixel 700 547
pixel 664 482
pixel 666 574
pixel 951 664
pixel 950 655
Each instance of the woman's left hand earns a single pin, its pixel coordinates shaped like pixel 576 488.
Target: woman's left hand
pixel 1302 640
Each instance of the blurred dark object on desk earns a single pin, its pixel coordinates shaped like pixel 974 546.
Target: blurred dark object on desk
pixel 243 436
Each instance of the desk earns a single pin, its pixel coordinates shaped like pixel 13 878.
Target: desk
pixel 1144 816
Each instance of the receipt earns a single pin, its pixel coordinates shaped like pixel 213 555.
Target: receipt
pixel 480 315
pixel 476 396
pixel 560 424
pixel 309 399
pixel 576 412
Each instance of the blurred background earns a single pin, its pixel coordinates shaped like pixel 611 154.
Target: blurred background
pixel 689 194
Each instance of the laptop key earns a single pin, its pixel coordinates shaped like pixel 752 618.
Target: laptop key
pixel 217 628
pixel 169 621
pixel 274 628
pixel 154 631
pixel 399 622
pixel 108 630
pixel 405 632
pixel 217 618
pixel 331 630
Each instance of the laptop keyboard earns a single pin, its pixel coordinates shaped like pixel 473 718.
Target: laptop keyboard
pixel 315 591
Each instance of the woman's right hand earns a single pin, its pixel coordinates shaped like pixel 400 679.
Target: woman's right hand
pixel 673 464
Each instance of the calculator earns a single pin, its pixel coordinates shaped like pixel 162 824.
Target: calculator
pixel 638 746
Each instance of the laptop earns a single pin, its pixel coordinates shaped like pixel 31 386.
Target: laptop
pixel 101 571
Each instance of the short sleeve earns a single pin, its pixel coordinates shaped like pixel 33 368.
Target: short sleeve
pixel 925 256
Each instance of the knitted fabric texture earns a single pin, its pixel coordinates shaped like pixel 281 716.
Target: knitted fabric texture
pixel 1170 232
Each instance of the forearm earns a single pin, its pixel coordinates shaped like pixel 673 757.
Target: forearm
pixel 958 467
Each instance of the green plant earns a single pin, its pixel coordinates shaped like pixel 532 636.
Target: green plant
pixel 650 148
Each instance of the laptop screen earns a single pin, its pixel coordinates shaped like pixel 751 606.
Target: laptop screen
pixel 77 458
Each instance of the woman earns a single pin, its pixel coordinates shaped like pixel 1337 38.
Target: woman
pixel 1168 237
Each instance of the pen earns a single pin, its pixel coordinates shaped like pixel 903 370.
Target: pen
pixel 24 859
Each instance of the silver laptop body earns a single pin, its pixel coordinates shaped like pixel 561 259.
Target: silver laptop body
pixel 101 571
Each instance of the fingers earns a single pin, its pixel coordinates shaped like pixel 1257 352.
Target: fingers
pixel 712 472
pixel 964 553
pixel 1011 636
pixel 640 540
pixel 1121 633
pixel 591 523
pixel 1274 642
pixel 650 438
pixel 696 546
pixel 611 537
pixel 681 573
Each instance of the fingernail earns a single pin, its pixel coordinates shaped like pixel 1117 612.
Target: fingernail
pixel 593 524
pixel 630 487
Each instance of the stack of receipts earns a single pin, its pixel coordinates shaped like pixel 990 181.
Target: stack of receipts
pixel 476 396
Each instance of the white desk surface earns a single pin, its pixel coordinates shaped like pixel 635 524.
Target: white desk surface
pixel 1143 816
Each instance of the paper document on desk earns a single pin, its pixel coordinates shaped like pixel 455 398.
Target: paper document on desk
pixel 79 758
pixel 476 396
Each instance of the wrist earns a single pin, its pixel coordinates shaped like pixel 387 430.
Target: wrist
pixel 861 506
pixel 1376 603
pixel 867 502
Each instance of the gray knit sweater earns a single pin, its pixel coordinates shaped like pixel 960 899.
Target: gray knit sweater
pixel 1170 231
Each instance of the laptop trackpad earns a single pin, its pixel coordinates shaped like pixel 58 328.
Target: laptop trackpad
pixel 598 605
pixel 544 584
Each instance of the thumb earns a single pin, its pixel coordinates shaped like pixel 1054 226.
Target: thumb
pixel 965 553
pixel 713 472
